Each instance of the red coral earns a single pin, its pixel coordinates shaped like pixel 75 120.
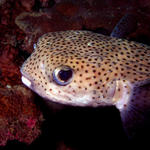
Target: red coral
pixel 16 102
pixel 31 123
pixel 9 70
pixel 16 111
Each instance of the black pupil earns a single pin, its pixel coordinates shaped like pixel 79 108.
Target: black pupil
pixel 65 75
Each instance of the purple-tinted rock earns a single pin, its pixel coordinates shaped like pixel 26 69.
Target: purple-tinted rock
pixel 27 4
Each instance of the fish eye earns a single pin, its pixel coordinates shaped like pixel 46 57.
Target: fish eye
pixel 63 75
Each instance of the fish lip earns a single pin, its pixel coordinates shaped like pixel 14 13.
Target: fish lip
pixel 26 77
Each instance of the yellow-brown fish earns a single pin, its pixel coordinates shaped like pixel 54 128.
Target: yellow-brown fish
pixel 83 68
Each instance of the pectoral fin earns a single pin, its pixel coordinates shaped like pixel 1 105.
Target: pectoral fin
pixel 135 114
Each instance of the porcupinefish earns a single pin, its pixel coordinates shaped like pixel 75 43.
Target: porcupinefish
pixel 82 68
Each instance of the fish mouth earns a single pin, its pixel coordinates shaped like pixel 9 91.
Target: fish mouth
pixel 26 80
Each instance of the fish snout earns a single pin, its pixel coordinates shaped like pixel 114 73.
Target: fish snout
pixel 26 79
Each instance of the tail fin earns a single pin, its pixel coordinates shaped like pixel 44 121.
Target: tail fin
pixel 136 115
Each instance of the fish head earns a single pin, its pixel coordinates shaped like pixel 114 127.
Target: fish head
pixel 63 69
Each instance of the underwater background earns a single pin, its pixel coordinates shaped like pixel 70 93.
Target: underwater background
pixel 26 120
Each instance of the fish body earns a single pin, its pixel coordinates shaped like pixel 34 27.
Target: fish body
pixel 83 68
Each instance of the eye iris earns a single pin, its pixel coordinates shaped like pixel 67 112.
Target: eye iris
pixel 65 75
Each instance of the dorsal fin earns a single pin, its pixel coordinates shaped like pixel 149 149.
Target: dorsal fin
pixel 126 25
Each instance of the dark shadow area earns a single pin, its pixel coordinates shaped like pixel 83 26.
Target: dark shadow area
pixel 81 128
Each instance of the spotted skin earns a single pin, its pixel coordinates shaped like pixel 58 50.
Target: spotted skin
pixel 106 70
pixel 98 62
